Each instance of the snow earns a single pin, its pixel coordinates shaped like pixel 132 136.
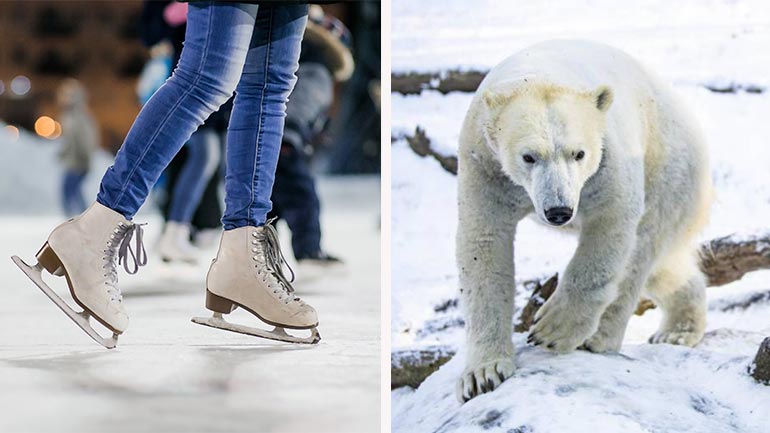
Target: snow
pixel 705 389
pixel 688 40
pixel 643 389
pixel 168 374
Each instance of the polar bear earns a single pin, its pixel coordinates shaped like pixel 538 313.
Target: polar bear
pixel 586 139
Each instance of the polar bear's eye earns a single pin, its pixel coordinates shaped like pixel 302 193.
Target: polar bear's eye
pixel 580 155
pixel 528 159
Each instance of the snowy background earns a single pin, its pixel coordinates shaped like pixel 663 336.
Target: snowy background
pixel 646 388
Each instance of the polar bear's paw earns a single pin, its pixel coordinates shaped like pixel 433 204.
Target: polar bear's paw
pixel 562 324
pixel 687 331
pixel 484 377
pixel 602 342
pixel 679 337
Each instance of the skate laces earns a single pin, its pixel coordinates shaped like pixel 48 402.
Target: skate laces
pixel 274 258
pixel 117 252
pixel 140 258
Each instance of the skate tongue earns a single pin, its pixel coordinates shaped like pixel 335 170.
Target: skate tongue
pixel 140 258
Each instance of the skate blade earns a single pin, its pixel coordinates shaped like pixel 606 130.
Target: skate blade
pixel 277 334
pixel 81 318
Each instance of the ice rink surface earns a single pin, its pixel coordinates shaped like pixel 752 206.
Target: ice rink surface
pixel 168 374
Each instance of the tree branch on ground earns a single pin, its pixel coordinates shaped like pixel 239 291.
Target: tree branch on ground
pixel 746 302
pixel 421 145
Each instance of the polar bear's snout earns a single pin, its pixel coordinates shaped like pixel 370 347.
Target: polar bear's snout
pixel 554 188
pixel 558 215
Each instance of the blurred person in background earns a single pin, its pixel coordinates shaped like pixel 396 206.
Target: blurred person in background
pixel 79 138
pixel 356 124
pixel 326 58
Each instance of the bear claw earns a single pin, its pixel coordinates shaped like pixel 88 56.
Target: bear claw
pixel 680 338
pixel 484 378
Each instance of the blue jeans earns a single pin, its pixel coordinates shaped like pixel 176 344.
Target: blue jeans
pixel 251 50
pixel 201 163
pixel 72 195
pixel 296 201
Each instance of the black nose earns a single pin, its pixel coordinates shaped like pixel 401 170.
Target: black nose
pixel 558 215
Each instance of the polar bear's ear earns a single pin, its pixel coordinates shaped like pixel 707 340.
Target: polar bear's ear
pixel 500 94
pixel 494 99
pixel 603 97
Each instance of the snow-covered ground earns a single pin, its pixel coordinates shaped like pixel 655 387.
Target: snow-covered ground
pixel 168 374
pixel 686 40
pixel 657 388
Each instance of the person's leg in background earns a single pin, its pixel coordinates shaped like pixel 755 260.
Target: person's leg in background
pixel 295 197
pixel 73 202
pixel 206 223
pixel 66 194
pixel 207 220
pixel 201 163
pixel 296 201
pixel 294 194
pixel 80 200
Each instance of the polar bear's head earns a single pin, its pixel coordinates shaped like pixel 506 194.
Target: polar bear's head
pixel 548 139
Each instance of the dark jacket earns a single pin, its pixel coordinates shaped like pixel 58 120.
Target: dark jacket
pixel 275 2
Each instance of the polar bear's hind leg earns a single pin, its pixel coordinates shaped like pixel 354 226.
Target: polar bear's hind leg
pixel 678 287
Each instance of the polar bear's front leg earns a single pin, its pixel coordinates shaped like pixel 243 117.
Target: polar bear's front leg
pixel 485 232
pixel 589 284
pixel 487 288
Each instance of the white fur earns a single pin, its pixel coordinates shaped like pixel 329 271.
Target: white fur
pixel 639 196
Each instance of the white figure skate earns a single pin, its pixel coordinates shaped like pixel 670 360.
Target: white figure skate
pixel 73 250
pixel 175 245
pixel 248 273
pixel 320 265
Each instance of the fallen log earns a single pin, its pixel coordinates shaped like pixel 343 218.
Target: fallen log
pixel 540 294
pixel 760 367
pixel 746 302
pixel 729 258
pixel 413 83
pixel 421 145
pixel 411 367
pixel 455 80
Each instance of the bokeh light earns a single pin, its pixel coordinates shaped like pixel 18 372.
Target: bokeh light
pixel 20 85
pixel 45 126
pixel 56 131
pixel 12 131
pixel 2 87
